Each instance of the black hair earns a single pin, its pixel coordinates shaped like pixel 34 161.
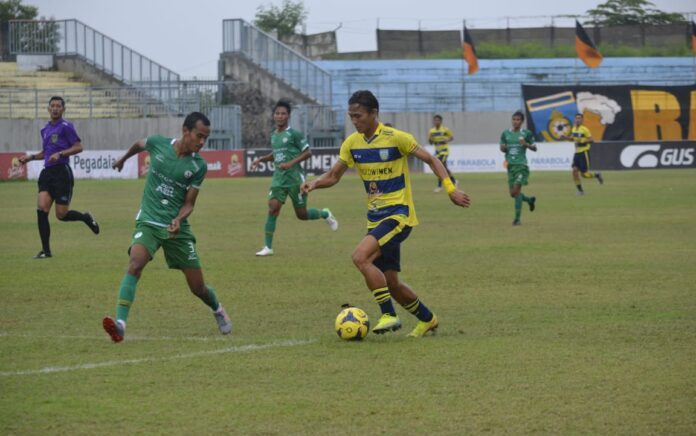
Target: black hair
pixel 193 118
pixel 364 98
pixel 282 103
pixel 518 114
pixel 438 116
pixel 580 114
pixel 58 98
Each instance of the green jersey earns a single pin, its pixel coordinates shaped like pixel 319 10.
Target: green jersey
pixel 168 180
pixel 516 153
pixel 287 145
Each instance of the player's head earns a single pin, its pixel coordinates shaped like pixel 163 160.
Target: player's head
pixel 195 131
pixel 517 119
pixel 281 114
pixel 56 107
pixel 363 109
pixel 578 119
pixel 437 120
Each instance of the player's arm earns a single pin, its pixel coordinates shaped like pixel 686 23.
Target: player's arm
pixel 265 158
pixel 458 197
pixel 137 147
pixel 185 211
pixel 326 180
pixel 306 154
pixel 527 144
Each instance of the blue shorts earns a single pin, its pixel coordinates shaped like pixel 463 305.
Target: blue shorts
pixel 581 161
pixel 390 233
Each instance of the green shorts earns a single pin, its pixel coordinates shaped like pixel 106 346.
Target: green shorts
pixel 281 193
pixel 518 175
pixel 179 250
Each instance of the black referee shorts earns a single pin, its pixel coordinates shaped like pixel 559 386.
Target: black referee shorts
pixel 58 181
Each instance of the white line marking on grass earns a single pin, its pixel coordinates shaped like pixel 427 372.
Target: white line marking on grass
pixel 235 349
pixel 130 338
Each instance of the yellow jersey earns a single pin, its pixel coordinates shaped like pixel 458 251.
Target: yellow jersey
pixel 440 138
pixel 581 136
pixel 382 163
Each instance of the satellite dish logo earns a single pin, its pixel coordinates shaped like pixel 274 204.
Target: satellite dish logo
pixel 644 155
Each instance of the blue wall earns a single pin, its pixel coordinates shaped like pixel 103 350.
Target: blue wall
pixel 442 85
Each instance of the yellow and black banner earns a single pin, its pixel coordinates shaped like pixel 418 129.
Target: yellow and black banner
pixel 470 52
pixel 613 113
pixel 585 47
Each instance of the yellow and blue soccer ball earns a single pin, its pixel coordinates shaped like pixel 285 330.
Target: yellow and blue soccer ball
pixel 352 324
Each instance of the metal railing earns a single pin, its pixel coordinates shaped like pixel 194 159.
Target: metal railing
pixel 238 36
pixel 226 123
pixel 74 38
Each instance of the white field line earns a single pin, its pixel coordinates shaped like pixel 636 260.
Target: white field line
pixel 130 338
pixel 235 349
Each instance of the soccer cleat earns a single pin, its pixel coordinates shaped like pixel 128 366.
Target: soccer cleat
pixel 223 320
pixel 438 189
pixel 387 323
pixel 516 223
pixel 43 255
pixel 115 329
pixel 532 204
pixel 331 220
pixel 424 327
pixel 599 177
pixel 92 223
pixel 265 251
pixel 580 193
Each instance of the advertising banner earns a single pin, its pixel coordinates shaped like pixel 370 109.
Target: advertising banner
pixel 623 155
pixel 92 164
pixel 479 158
pixel 10 168
pixel 613 113
pixel 221 164
pixel 322 160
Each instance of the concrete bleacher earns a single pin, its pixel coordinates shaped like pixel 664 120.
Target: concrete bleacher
pixel 25 94
pixel 443 85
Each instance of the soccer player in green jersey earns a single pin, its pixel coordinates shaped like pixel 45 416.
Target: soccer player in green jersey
pixel 171 189
pixel 289 149
pixel 380 155
pixel 514 143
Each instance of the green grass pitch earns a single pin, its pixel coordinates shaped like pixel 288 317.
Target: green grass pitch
pixel 582 320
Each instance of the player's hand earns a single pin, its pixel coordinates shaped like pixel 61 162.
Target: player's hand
pixel 174 227
pixel 54 157
pixel 118 165
pixel 306 187
pixel 460 198
pixel 254 164
pixel 26 158
pixel 284 166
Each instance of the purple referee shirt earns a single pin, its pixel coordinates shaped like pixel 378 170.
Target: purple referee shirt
pixel 58 137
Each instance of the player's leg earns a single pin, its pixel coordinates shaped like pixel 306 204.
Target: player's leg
pixel 407 298
pixel 194 279
pixel 449 173
pixel 276 198
pixel 516 194
pixel 588 174
pixel 299 202
pixel 63 190
pixel 439 182
pixel 579 167
pixel 43 207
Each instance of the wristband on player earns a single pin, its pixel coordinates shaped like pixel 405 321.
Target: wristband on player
pixel 448 185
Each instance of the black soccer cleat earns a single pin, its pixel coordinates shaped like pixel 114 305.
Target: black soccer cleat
pixel 43 255
pixel 517 223
pixel 92 223
pixel 599 177
pixel 532 204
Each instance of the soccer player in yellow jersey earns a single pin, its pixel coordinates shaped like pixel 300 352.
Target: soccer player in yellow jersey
pixel 380 155
pixel 440 136
pixel 581 160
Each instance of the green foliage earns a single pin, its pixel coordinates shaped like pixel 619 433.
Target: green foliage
pixel 581 321
pixel 15 10
pixel 626 12
pixel 284 19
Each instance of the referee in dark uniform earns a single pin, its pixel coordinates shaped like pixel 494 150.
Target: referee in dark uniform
pixel 56 181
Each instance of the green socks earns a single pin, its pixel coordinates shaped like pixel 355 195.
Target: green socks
pixel 518 206
pixel 270 229
pixel 315 214
pixel 212 300
pixel 126 295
